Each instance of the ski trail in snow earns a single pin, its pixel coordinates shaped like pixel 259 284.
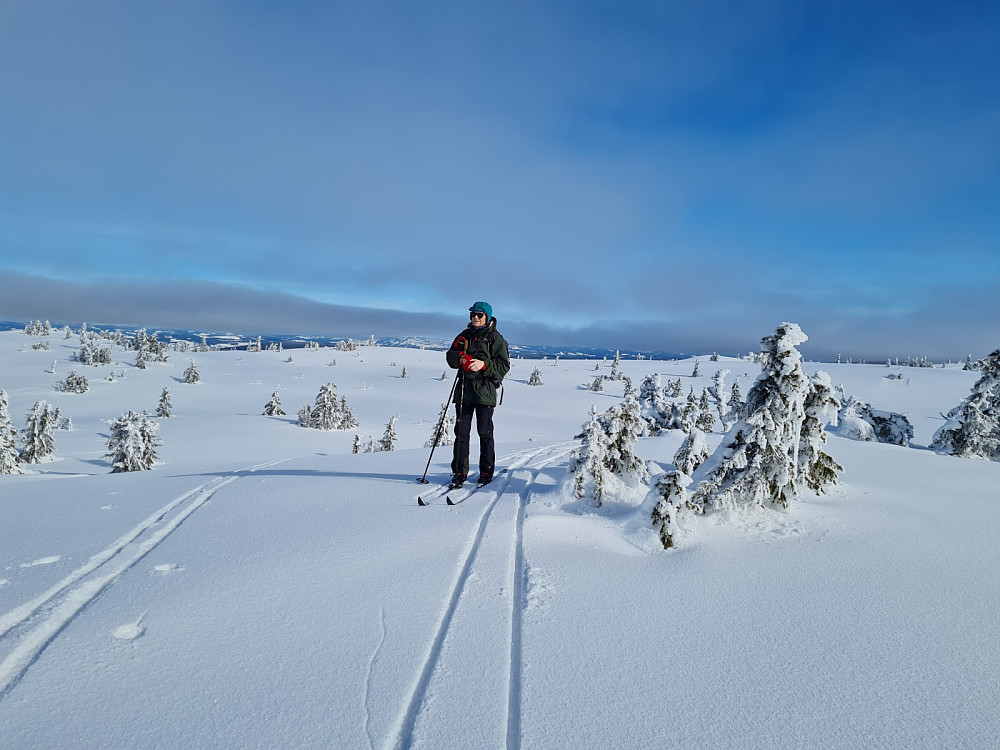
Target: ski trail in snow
pixel 30 646
pixel 80 588
pixel 404 734
pixel 18 615
pixel 517 611
pixel 368 679
pixel 516 619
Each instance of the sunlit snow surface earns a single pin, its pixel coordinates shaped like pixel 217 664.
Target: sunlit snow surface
pixel 262 587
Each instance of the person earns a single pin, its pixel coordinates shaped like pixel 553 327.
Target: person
pixel 482 356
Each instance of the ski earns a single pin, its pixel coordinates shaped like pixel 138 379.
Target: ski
pixel 451 487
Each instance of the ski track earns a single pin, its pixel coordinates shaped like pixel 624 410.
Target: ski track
pixel 368 680
pixel 80 588
pixel 403 737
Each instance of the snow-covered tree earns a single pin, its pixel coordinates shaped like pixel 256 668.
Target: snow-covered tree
pixel 388 441
pixel 857 420
pixel 165 409
pixel 305 416
pixel 689 412
pixel 536 377
pixel 73 383
pixel 615 367
pixel 447 424
pixel 816 467
pixel 705 420
pixel 140 360
pixel 329 412
pixel 757 463
pixel 191 374
pixel 623 424
pixel 696 373
pixel 973 427
pixel 597 386
pixel 38 443
pixel 588 462
pixel 718 388
pixel 671 489
pixel 133 442
pixel 10 457
pixel 326 408
pixel 347 418
pixel 273 407
pixel 674 388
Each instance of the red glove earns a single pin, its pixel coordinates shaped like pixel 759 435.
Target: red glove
pixel 465 361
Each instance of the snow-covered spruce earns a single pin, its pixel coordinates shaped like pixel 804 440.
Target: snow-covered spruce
pixel 446 422
pixel 705 421
pixel 607 454
pixel 757 462
pixel 133 443
pixel 671 489
pixel 328 412
pixel 615 367
pixel 536 377
pixel 623 425
pixel 191 374
pixel 10 456
pixel 91 352
pixel 388 441
pixel 588 462
pixel 973 427
pixel 816 467
pixel 273 407
pixel 165 409
pixel 38 442
pixel 73 383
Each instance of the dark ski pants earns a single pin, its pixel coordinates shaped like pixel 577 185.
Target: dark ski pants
pixel 463 431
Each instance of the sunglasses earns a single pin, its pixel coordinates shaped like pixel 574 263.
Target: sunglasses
pixel 477 315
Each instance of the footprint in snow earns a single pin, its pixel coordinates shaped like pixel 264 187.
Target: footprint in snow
pixel 167 568
pixel 42 561
pixel 131 631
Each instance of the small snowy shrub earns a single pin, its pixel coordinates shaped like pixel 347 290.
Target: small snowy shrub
pixel 191 374
pixel 73 383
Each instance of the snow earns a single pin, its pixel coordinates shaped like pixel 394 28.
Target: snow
pixel 263 587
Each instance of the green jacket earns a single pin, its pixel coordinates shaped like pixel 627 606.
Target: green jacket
pixel 486 344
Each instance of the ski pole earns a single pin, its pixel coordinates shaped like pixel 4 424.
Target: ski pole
pixel 437 434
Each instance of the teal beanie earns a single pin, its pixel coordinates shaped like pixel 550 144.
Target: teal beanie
pixel 483 307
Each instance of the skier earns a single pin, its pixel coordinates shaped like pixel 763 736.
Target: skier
pixel 481 353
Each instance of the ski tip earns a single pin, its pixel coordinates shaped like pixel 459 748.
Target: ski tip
pixel 420 501
pixel 448 500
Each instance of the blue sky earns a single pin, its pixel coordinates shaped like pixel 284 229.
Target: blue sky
pixel 668 176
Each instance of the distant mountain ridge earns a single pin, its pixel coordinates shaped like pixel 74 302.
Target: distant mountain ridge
pixel 295 341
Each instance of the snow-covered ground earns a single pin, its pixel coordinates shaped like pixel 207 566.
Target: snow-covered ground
pixel 263 588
